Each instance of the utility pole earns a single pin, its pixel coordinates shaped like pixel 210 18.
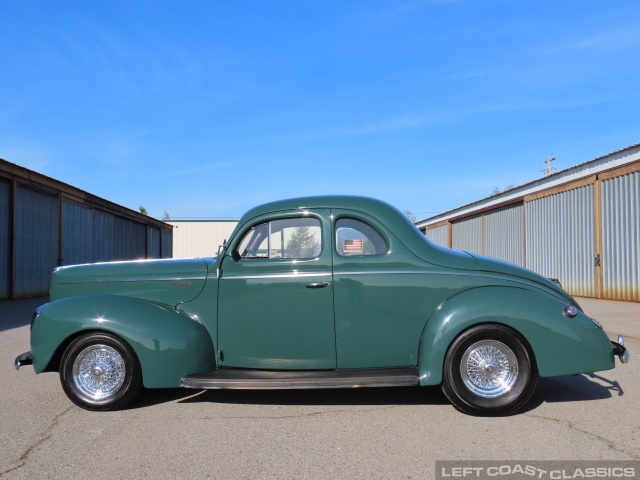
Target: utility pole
pixel 550 169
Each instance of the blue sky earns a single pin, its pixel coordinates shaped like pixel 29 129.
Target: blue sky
pixel 205 109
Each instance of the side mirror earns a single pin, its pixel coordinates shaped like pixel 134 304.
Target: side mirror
pixel 222 247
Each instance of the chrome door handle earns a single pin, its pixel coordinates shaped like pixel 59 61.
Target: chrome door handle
pixel 318 284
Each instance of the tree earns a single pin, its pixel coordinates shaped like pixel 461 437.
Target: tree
pixel 410 215
pixel 302 244
pixel 166 216
pixel 142 210
pixel 496 190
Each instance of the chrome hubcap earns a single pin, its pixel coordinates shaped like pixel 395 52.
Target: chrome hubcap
pixel 489 368
pixel 98 372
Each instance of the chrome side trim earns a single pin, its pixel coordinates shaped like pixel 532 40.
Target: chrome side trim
pixel 386 272
pixel 383 272
pixel 416 272
pixel 135 280
pixel 283 275
pixel 456 274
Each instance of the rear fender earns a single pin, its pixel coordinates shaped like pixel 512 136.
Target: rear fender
pixel 560 345
pixel 168 343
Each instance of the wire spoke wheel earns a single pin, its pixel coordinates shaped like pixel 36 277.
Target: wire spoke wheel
pixel 99 371
pixel 489 370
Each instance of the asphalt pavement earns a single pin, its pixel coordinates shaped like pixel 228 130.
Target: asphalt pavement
pixel 389 433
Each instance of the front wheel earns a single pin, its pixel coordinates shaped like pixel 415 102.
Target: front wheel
pixel 99 371
pixel 489 370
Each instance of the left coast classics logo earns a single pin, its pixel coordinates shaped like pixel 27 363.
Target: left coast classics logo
pixel 543 470
pixel 180 284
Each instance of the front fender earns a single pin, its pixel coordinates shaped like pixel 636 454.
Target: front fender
pixel 169 344
pixel 561 345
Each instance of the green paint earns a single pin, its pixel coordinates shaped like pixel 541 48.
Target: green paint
pixel 400 308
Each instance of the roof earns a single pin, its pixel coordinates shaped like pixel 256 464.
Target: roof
pixel 394 221
pixel 27 177
pixel 363 204
pixel 601 164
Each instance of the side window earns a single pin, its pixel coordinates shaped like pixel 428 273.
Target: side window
pixel 255 243
pixel 288 238
pixel 354 237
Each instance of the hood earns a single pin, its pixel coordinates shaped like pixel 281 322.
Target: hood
pixel 488 264
pixel 166 281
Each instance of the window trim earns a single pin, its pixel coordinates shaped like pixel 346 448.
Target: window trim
pixel 368 223
pixel 269 250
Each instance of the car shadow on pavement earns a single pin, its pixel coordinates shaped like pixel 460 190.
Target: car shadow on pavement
pixel 569 388
pixel 342 396
pixel 338 396
pixel 17 313
pixel 573 388
pixel 158 396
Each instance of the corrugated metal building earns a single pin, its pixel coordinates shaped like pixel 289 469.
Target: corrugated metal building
pixel 580 225
pixel 45 223
pixel 199 238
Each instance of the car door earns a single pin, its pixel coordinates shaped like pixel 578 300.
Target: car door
pixel 275 302
pixel 381 299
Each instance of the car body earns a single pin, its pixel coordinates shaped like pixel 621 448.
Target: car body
pixel 315 292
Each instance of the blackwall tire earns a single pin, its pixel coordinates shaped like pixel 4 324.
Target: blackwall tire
pixel 489 370
pixel 99 371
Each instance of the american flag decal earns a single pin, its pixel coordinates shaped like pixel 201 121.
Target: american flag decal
pixel 353 245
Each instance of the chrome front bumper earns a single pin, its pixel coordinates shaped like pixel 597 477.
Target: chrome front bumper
pixel 24 359
pixel 620 350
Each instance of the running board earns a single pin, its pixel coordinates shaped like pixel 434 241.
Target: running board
pixel 247 379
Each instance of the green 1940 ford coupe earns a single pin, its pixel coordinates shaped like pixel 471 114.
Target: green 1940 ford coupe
pixel 317 292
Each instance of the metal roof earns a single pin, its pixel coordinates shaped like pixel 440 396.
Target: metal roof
pixel 610 161
pixel 201 219
pixel 26 176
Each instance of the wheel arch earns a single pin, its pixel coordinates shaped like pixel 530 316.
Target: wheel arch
pixel 523 339
pixel 559 345
pixel 168 344
pixel 56 358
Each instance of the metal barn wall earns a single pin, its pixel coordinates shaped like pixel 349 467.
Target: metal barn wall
pixel 93 236
pixel 45 223
pixel 621 237
pixel 130 240
pixel 104 238
pixel 36 242
pixel 153 242
pixel 580 225
pixel 504 234
pixel 560 239
pixel 467 235
pixel 77 234
pixel 439 235
pixel 166 245
pixel 199 238
pixel 137 241
pixel 5 218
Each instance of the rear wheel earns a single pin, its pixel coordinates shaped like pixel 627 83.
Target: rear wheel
pixel 489 370
pixel 99 371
